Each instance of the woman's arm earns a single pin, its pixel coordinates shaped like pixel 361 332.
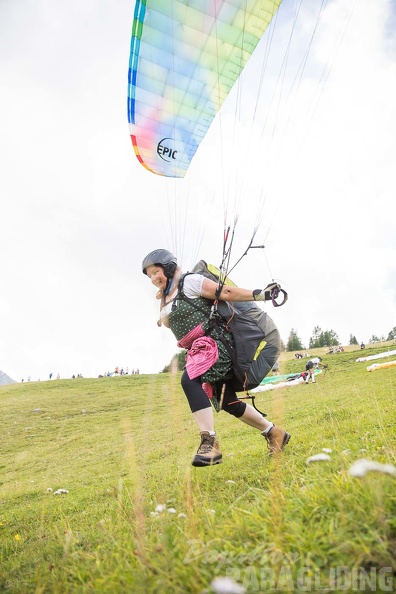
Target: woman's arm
pixel 209 289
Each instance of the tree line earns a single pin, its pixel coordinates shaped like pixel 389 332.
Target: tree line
pixel 328 338
pixel 320 338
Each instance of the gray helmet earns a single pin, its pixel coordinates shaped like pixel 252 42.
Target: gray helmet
pixel 162 258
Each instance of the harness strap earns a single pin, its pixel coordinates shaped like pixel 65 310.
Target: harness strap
pixel 213 324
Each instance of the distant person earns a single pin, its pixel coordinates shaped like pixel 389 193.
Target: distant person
pixel 50 375
pixel 275 368
pixel 310 367
pixel 362 346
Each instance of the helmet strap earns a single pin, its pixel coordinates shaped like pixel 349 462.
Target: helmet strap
pixel 168 286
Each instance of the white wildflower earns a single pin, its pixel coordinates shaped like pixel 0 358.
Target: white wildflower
pixel 318 458
pixel 49 490
pixel 231 482
pixel 160 508
pixel 361 467
pixel 327 450
pixel 225 585
pixel 154 514
pixel 211 511
pixel 61 492
pixel 181 515
pixel 171 510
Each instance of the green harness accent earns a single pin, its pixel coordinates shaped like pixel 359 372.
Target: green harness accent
pixel 260 347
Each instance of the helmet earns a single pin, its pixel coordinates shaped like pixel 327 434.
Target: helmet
pixel 162 258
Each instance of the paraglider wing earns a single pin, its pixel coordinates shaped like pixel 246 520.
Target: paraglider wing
pixel 185 57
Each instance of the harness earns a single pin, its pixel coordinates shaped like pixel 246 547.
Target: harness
pixel 220 323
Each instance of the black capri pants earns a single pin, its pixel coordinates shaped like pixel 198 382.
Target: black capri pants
pixel 198 400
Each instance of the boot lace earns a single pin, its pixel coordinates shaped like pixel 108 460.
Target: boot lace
pixel 269 439
pixel 207 442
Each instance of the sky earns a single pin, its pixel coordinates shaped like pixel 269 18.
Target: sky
pixel 311 148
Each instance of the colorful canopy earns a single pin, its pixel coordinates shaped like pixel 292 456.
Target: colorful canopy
pixel 185 57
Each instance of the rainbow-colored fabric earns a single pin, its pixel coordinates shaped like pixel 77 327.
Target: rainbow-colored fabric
pixel 185 57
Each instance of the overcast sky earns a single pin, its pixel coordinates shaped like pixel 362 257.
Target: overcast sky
pixel 78 212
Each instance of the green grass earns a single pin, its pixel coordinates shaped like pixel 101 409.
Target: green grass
pixel 265 523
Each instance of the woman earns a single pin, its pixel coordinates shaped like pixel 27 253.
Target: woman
pixel 186 305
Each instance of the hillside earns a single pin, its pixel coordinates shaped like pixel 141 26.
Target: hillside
pixel 137 517
pixel 5 379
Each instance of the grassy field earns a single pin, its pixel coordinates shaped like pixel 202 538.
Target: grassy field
pixel 138 518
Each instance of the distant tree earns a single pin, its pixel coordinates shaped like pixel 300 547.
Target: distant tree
pixel 294 343
pixel 315 338
pixel 324 338
pixel 331 338
pixel 392 334
pixel 352 339
pixel 177 363
pixel 374 338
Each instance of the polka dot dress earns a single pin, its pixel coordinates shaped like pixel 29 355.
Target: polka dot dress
pixel 185 317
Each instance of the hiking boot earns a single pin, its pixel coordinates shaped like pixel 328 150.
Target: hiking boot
pixel 208 452
pixel 276 439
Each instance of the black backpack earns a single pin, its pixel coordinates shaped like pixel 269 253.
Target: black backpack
pixel 256 338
